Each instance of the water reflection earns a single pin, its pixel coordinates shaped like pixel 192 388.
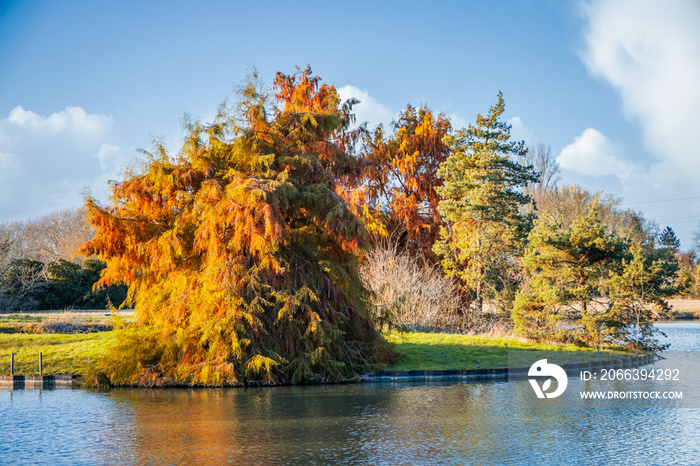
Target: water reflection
pixel 414 423
pixel 358 424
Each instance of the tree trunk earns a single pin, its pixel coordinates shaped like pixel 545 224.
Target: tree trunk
pixel 636 345
pixel 479 298
pixel 597 355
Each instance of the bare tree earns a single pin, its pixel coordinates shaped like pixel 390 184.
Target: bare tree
pixel 47 239
pixel 22 285
pixel 59 235
pixel 695 247
pixel 569 203
pixel 541 158
pixel 7 241
pixel 27 247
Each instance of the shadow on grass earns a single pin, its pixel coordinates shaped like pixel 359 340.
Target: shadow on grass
pixel 9 329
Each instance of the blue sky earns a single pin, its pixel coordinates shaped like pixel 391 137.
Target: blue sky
pixel 611 86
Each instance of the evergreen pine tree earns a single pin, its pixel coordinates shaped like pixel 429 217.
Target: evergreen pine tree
pixel 668 239
pixel 481 204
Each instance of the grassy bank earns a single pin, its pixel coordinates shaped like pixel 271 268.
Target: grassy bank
pixel 685 315
pixel 62 354
pixel 71 353
pixel 439 351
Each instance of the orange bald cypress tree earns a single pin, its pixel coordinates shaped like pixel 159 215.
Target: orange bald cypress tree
pixel 396 191
pixel 240 256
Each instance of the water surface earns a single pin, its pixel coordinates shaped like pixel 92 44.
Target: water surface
pixel 374 423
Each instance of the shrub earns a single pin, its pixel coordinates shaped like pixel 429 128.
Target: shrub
pixel 409 293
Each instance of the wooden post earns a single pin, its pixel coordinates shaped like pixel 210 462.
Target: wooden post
pixel 12 364
pixel 41 366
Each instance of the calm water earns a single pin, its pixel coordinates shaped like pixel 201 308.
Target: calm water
pixel 433 423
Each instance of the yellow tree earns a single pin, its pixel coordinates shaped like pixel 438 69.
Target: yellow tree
pixel 240 255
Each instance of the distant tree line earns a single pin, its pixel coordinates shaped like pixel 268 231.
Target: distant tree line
pixel 39 268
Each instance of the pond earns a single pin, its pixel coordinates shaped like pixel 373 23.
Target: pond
pixel 440 422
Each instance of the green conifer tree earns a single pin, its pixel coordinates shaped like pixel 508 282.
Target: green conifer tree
pixel 668 239
pixel 481 204
pixel 568 293
pixel 587 284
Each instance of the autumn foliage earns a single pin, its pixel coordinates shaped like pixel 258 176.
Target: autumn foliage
pixel 395 190
pixel 242 251
pixel 240 254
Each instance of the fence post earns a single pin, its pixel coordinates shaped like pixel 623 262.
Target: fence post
pixel 41 366
pixel 12 364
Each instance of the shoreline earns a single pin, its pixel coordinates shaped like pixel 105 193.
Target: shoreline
pixel 506 373
pixel 422 356
pixel 18 382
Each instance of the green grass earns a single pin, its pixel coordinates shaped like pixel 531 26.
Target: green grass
pixel 71 354
pixel 439 351
pixel 690 314
pixel 61 354
pixel 14 323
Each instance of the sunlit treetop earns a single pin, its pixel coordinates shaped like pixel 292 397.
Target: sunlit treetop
pixel 395 191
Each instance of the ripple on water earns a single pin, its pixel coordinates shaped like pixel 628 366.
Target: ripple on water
pixel 412 423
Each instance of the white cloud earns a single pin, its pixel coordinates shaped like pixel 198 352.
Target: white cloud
pixel 650 52
pixel 6 158
pixel 369 109
pixel 519 131
pixel 107 155
pixel 594 154
pixel 47 161
pixel 73 120
pixel 458 121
